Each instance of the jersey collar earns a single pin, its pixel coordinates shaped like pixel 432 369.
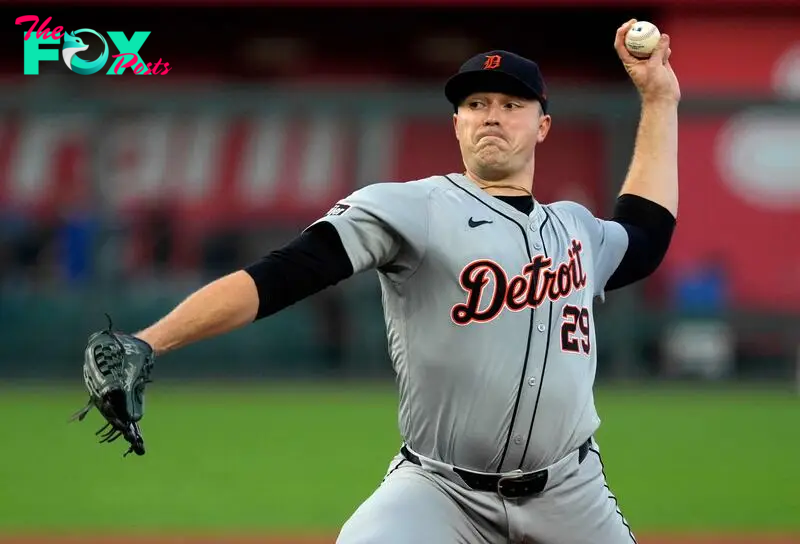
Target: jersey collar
pixel 537 214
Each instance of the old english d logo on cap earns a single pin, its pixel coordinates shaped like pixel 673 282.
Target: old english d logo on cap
pixel 492 62
pixel 497 71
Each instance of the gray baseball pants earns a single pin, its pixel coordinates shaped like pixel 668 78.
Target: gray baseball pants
pixel 430 504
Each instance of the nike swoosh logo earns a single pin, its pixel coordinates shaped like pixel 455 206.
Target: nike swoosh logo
pixel 472 223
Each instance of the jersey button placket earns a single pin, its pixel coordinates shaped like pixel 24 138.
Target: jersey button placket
pixel 528 400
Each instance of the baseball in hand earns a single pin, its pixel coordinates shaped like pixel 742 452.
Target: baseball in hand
pixel 641 39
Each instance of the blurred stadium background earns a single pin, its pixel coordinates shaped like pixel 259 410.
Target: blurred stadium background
pixel 123 194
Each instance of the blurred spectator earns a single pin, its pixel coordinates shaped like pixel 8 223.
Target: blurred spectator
pixel 703 289
pixel 159 233
pixel 700 341
pixel 221 252
pixel 27 249
pixel 75 245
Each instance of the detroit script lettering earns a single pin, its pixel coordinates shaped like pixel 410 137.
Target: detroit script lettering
pixel 537 282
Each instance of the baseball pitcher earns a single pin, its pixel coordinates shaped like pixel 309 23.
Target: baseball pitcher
pixel 488 301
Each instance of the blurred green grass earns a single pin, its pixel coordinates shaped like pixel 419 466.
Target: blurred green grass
pixel 301 458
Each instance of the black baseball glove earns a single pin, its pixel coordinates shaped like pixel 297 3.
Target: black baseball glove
pixel 116 369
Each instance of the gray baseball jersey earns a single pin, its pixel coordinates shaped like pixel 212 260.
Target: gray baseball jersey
pixel 489 318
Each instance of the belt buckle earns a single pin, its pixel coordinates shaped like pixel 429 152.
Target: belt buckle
pixel 508 476
pixel 529 484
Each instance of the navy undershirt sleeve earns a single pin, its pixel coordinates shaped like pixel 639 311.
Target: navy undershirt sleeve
pixel 308 264
pixel 650 227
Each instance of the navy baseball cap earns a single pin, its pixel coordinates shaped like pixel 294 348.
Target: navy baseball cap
pixel 497 71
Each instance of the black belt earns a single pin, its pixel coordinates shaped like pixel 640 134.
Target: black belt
pixel 511 486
